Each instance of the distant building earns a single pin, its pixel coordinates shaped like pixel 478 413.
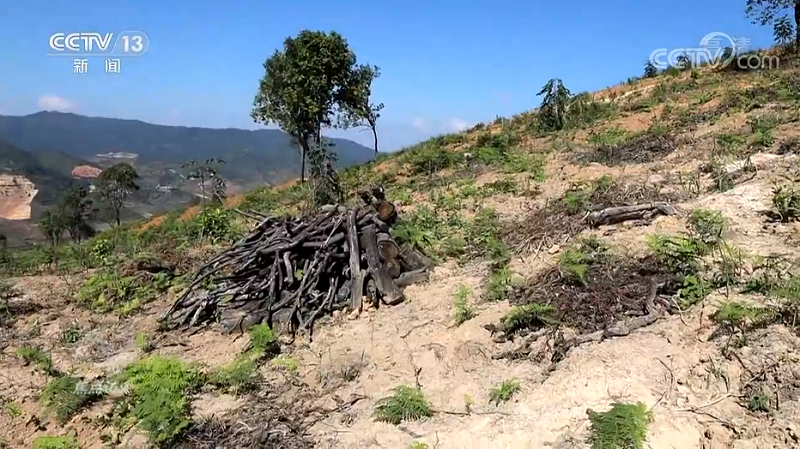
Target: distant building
pixel 119 155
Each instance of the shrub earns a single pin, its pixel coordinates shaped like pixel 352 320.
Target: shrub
pixel 786 201
pixel 62 398
pixel 624 426
pixel 158 395
pixel 528 316
pixel 38 357
pixel 405 404
pixel 504 391
pixel 463 311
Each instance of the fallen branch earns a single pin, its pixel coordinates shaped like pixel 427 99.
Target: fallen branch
pixel 613 215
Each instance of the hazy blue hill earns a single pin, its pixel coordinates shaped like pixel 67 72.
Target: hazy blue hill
pixel 251 156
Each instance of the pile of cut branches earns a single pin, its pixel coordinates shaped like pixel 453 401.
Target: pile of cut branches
pixel 638 149
pixel 294 270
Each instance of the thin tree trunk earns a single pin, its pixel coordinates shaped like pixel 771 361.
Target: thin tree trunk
pixel 797 26
pixel 203 189
pixel 303 147
pixel 375 136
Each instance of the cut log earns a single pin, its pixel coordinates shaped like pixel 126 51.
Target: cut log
pixel 387 247
pixel 383 282
pixel 412 277
pixel 386 212
pixel 413 260
pixel 613 215
pixel 379 193
pixel 356 275
pixel 393 268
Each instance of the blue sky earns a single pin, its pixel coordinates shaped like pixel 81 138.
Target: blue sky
pixel 445 64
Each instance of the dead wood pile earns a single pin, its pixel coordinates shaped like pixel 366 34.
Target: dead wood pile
pixel 294 270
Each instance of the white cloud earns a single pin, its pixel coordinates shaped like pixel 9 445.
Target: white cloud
pixel 455 125
pixel 55 103
pixel 419 123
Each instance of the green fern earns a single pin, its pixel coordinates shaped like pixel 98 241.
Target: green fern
pixel 62 398
pixel 532 315
pixel 406 404
pixel 504 391
pixel 463 311
pixel 159 389
pixel 622 427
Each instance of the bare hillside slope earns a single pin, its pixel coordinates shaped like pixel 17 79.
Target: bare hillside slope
pixel 628 280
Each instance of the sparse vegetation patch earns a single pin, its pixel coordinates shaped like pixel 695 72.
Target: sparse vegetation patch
pixel 624 426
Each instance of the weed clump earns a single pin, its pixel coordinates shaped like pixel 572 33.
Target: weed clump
pixel 39 358
pixel 54 442
pixel 463 311
pixel 624 426
pixel 504 391
pixel 405 404
pixel 158 400
pixel 527 316
pixel 62 398
pixel 786 202
pixel 238 376
pixel 110 289
pixel 262 341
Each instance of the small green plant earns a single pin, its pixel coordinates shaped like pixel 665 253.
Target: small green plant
pixel 463 311
pixel 500 280
pixel 730 143
pixel 109 289
pixel 12 408
pixel 286 362
pixel 238 376
pixel 158 399
pixel 62 398
pixel 419 445
pixel 721 177
pixel 624 426
pixel 706 226
pixel 575 261
pixel 143 342
pixel 676 253
pixel 71 335
pixel 262 341
pixel 786 201
pixel 36 356
pixel 694 289
pixel 528 316
pixel 738 316
pixel 405 404
pixel 758 402
pixel 761 128
pixel 54 442
pixel 504 391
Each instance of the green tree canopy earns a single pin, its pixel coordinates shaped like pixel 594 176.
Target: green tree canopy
pixel 309 85
pixel 115 184
pixel 766 12
pixel 650 70
pixel 555 101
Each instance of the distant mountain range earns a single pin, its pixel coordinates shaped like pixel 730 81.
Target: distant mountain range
pixel 261 156
pixel 46 148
